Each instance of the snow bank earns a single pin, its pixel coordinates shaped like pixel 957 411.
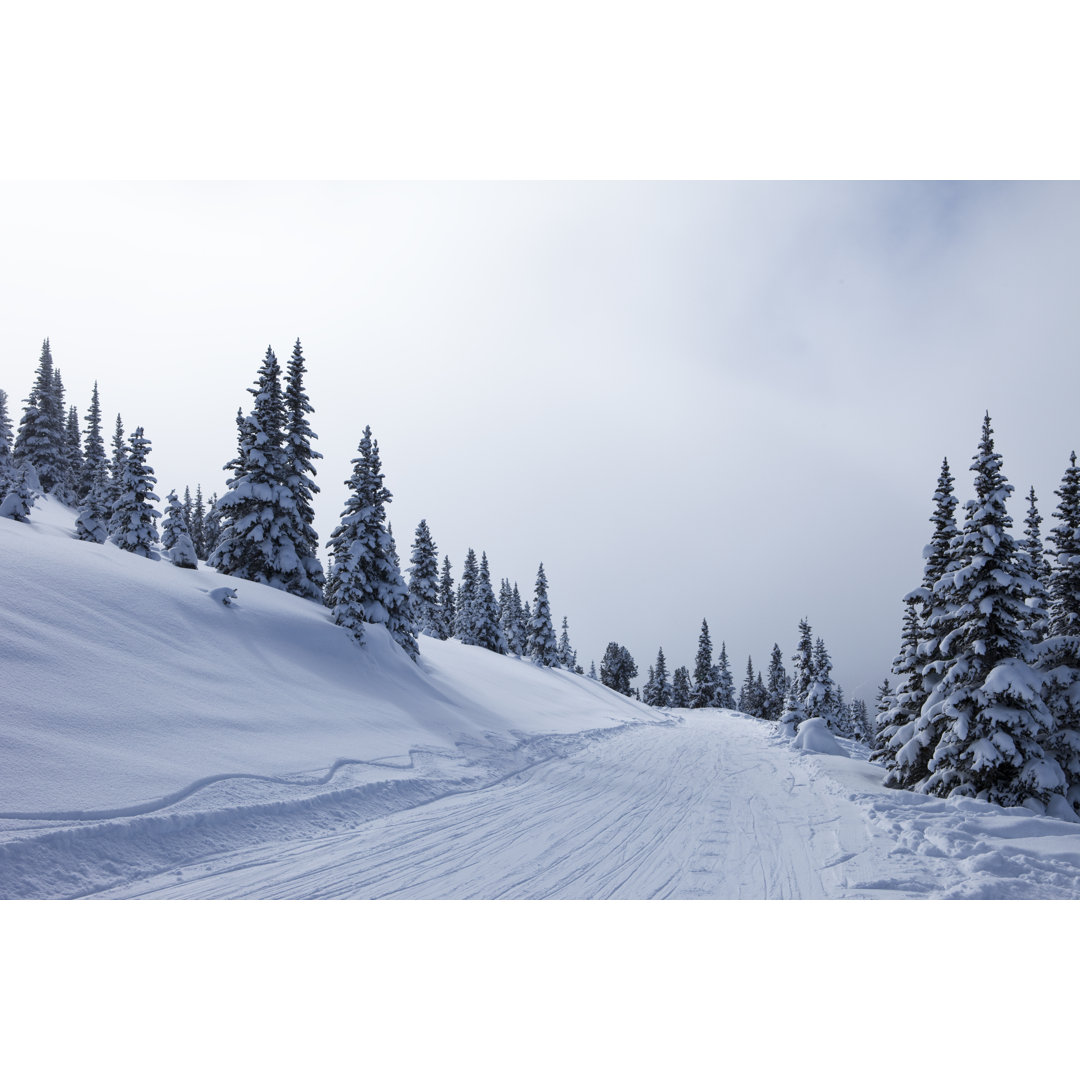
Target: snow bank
pixel 814 735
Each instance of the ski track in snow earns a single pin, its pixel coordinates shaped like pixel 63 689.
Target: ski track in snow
pixel 714 806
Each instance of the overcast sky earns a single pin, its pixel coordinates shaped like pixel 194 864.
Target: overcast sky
pixel 689 400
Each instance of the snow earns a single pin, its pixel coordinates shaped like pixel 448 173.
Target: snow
pixel 159 744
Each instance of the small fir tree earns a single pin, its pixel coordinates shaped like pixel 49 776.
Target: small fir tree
pixel 447 602
pixel 703 692
pixel 680 688
pixel 618 668
pixel 133 524
pixel 543 648
pixel 424 582
pixel 776 690
pixel 725 682
pixel 175 538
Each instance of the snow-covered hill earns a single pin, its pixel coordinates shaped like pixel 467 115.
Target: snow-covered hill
pixel 156 742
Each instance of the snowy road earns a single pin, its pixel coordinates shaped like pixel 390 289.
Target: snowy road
pixel 702 809
pixel 713 806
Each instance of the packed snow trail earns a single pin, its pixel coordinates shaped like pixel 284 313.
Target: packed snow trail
pixel 705 808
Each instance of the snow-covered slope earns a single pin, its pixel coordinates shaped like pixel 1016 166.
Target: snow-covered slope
pixel 155 742
pixel 125 680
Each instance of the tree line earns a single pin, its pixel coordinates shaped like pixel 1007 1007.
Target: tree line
pixel 261 529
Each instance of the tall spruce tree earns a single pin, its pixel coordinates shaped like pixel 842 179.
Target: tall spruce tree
pixel 308 578
pixel 1064 584
pixel 40 441
pixel 447 602
pixel 424 582
pixel 725 682
pixel 116 463
pixel 95 461
pixel 465 614
pixel 365 584
pixel 566 651
pixel 992 722
pixel 133 524
pixel 703 691
pixel 776 690
pixel 543 648
pixel 486 630
pixel 657 690
pixel 1030 554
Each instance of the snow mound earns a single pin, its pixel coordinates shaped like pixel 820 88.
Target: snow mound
pixel 814 736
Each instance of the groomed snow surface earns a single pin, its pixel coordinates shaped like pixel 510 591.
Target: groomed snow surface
pixel 157 742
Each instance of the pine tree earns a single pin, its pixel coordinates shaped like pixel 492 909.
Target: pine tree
pixel 486 627
pixel 752 692
pixel 365 585
pixel 175 538
pixel 40 441
pixel 821 697
pixel 776 690
pixel 20 492
pixel 617 668
pixel 197 524
pixel 95 462
pixel 465 615
pixel 566 651
pixel 1030 554
pixel 657 691
pixel 543 648
pixel 592 670
pixel 703 693
pixel 212 526
pixel 119 457
pixel 424 582
pixel 725 683
pixel 680 688
pixel 993 721
pixel 68 489
pixel 264 538
pixel 859 721
pixel 1064 584
pixel 905 738
pixel 308 578
pixel 447 603
pixel 7 465
pixel 133 524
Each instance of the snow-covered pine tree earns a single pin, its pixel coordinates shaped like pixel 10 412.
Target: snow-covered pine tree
pixel 308 578
pixel 821 697
pixel 905 738
pixel 1057 657
pixel 859 721
pixel 133 524
pixel 526 622
pixel 40 439
pixel 116 465
pixel 680 688
pixel 509 617
pixel 95 462
pixel 617 668
pixel 1064 585
pixel 592 670
pixel 703 692
pixel 657 689
pixel 447 602
pixel 175 538
pixel 776 690
pixel 725 681
pixel 211 526
pixel 7 466
pixel 566 650
pixel 465 615
pixel 197 524
pixel 994 722
pixel 543 648
pixel 20 492
pixel 95 510
pixel 746 691
pixel 365 584
pixel 424 582
pixel 486 629
pixel 264 536
pixel 67 490
pixel 1030 550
